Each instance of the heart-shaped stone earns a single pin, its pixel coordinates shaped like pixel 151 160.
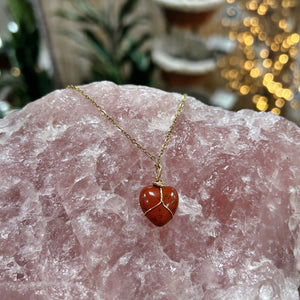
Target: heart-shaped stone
pixel 159 204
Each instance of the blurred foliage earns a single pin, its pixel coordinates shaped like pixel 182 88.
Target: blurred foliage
pixel 112 40
pixel 19 56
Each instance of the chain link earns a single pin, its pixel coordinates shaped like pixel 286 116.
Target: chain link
pixel 133 140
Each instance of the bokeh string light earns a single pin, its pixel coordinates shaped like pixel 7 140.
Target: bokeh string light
pixel 264 64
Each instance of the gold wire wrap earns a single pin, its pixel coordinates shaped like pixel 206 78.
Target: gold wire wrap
pixel 158 167
pixel 159 203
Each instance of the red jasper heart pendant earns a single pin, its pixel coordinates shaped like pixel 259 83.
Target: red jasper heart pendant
pixel 159 204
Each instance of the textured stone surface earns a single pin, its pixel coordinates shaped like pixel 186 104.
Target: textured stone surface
pixel 71 226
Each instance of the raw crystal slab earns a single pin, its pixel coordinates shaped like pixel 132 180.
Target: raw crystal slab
pixel 71 226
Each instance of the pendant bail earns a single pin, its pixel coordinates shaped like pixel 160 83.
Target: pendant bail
pixel 158 170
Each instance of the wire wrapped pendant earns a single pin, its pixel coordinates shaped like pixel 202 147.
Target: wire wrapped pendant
pixel 159 203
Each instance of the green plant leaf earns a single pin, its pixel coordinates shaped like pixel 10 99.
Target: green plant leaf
pixel 134 45
pixel 76 37
pixel 22 12
pixel 125 29
pixel 71 16
pixel 84 13
pixel 23 50
pixel 110 72
pixel 141 60
pixel 91 52
pixel 104 23
pixel 98 45
pixel 26 50
pixel 112 54
pixel 88 10
pixel 142 68
pixel 127 9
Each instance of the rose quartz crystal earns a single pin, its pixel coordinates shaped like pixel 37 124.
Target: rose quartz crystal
pixel 71 226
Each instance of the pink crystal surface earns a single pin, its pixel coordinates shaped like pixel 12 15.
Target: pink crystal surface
pixel 70 222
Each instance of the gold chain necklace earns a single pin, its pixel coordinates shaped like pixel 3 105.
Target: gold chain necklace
pixel 158 201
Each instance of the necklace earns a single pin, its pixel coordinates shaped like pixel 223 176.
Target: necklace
pixel 158 201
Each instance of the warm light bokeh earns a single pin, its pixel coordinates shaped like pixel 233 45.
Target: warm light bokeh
pixel 264 62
